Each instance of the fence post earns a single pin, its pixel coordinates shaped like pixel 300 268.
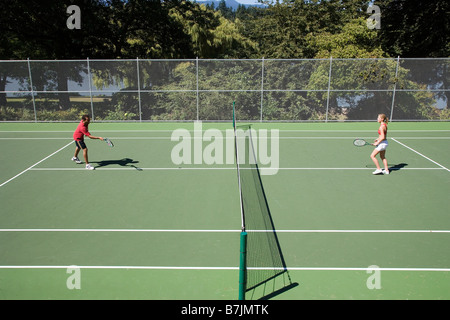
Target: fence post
pixel 32 90
pixel 262 88
pixel 196 76
pixel 139 89
pixel 90 89
pixel 395 87
pixel 328 94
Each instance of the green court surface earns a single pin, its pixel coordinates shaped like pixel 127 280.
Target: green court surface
pixel 144 226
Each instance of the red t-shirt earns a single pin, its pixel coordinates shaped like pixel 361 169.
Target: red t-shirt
pixel 80 132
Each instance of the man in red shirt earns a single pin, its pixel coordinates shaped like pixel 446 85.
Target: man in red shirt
pixel 78 136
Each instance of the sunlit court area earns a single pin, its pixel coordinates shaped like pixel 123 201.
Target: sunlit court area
pixel 140 226
pixel 224 152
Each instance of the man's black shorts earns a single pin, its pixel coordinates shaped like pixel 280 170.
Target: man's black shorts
pixel 80 144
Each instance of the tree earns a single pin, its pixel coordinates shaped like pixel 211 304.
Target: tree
pixel 38 30
pixel 145 29
pixel 212 35
pixel 283 28
pixel 414 28
pixel 355 40
pixel 422 31
pixel 280 30
pixel 225 11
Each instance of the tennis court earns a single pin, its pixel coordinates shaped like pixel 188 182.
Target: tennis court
pixel 142 226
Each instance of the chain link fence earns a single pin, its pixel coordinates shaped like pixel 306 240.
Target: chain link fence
pixel 202 89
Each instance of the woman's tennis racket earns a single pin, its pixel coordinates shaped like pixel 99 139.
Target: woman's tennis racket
pixel 361 143
pixel 109 142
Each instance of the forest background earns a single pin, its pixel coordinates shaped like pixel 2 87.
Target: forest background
pixel 145 29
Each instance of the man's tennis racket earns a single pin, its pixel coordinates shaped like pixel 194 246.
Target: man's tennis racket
pixel 109 142
pixel 361 143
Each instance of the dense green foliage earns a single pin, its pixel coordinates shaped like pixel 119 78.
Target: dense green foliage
pixel 296 29
pixel 151 29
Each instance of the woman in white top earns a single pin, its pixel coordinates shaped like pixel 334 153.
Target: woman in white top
pixel 381 144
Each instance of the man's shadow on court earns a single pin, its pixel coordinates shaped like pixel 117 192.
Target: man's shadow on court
pixel 125 162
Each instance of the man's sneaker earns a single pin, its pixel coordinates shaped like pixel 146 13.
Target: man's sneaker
pixel 385 171
pixel 89 167
pixel 76 160
pixel 378 171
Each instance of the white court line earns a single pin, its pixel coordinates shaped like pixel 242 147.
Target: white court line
pixel 214 168
pixel 352 231
pixel 17 175
pixel 440 165
pixel 222 129
pixel 221 268
pixel 423 138
pixel 223 230
pixel 119 230
pixel 121 267
pixel 356 269
pixel 227 268
pixel 225 138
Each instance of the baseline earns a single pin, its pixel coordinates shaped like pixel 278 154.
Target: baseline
pixel 224 230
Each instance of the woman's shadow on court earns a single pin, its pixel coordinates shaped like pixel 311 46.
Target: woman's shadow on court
pixel 397 167
pixel 125 162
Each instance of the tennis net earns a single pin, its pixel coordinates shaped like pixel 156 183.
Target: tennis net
pixel 263 256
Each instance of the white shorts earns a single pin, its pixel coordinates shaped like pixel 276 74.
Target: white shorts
pixel 382 146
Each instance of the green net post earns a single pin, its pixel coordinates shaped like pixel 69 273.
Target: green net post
pixel 243 266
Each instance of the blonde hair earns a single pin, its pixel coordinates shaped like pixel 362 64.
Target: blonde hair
pixel 384 118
